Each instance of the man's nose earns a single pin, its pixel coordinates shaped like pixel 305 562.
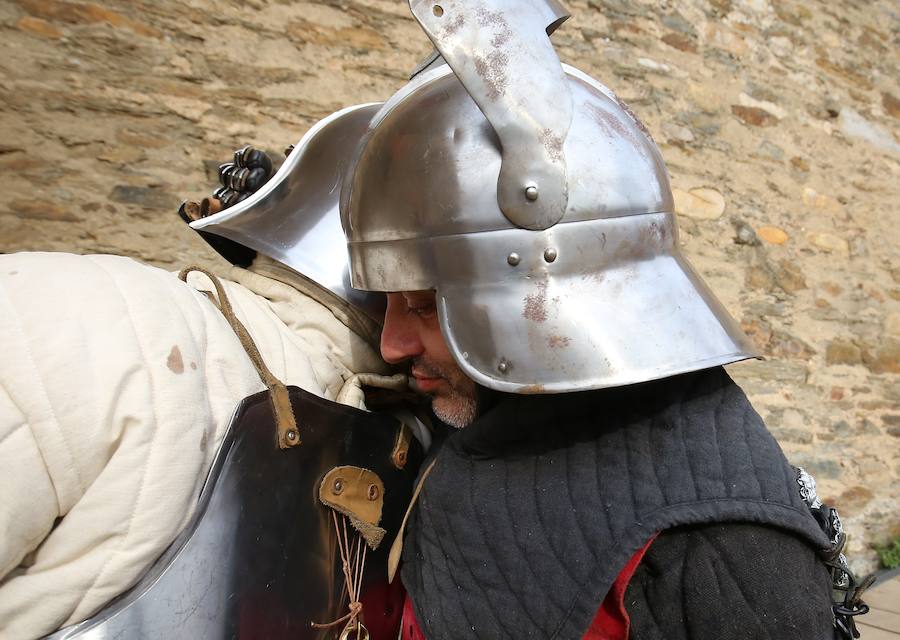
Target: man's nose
pixel 399 338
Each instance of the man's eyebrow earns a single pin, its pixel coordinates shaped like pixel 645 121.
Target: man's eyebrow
pixel 418 294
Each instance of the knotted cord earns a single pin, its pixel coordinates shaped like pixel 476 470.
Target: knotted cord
pixel 353 562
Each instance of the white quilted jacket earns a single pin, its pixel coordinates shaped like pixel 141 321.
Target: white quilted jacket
pixel 117 382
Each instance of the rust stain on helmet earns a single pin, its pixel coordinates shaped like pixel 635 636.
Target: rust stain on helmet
pixel 536 304
pixel 487 18
pixel 614 128
pixel 455 25
pixel 492 69
pixel 558 342
pixel 553 143
pixel 640 124
pixel 655 235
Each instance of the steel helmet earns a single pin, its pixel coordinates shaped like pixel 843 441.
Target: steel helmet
pixel 536 205
pixel 293 218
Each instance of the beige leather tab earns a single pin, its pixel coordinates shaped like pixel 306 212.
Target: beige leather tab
pixel 400 453
pixel 397 546
pixel 288 434
pixel 359 494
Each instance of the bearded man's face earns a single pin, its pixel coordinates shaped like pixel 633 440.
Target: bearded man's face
pixel 412 333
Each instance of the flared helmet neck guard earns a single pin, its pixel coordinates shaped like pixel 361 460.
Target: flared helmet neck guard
pixel 294 217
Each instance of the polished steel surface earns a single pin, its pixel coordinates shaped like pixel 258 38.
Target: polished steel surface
pixel 602 298
pixel 294 217
pixel 430 163
pixel 500 51
pixel 618 305
pixel 259 558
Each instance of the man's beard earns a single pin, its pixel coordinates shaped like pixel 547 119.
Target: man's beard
pixel 456 406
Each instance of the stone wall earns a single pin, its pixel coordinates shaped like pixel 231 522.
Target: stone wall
pixel 779 121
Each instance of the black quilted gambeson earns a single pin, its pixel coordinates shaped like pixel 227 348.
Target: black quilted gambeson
pixel 530 513
pixel 734 581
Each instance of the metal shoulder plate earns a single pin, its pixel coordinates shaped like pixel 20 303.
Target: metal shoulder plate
pixel 259 558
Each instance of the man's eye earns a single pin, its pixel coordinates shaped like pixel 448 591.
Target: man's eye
pixel 424 311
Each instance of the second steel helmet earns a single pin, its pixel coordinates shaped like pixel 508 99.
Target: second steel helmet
pixel 293 218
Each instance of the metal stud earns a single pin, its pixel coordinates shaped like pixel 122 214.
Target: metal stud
pixel 338 487
pixel 437 10
pixel 372 493
pixel 503 367
pixel 291 435
pixel 550 254
pixel 513 259
pixel 531 192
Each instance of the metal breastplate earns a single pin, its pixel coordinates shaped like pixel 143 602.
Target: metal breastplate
pixel 259 558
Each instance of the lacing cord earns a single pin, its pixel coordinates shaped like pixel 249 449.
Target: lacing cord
pixel 353 562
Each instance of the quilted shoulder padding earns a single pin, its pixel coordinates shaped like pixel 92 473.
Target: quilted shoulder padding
pixel 117 383
pixel 530 513
pixel 735 581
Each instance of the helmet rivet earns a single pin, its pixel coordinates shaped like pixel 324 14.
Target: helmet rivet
pixel 291 435
pixel 338 487
pixel 372 493
pixel 503 367
pixel 550 254
pixel 513 259
pixel 437 10
pixel 531 192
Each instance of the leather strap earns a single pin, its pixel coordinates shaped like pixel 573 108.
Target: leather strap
pixel 288 434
